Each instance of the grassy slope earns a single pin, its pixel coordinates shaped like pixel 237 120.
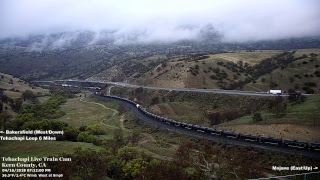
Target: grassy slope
pixel 86 112
pixel 281 76
pixel 18 84
pixel 78 114
pixel 306 113
pixel 250 57
pixel 46 148
pixel 82 114
pixel 191 108
pixel 177 73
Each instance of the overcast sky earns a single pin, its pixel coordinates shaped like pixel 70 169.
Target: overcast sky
pixel 236 20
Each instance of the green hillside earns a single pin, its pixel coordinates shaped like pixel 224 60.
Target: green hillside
pixel 258 70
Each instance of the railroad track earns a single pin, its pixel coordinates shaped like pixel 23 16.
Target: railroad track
pixel 216 138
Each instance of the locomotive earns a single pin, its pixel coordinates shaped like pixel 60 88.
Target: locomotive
pixel 228 134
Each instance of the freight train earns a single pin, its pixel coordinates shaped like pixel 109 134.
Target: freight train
pixel 211 131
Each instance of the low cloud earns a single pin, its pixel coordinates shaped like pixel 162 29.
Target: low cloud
pixel 126 21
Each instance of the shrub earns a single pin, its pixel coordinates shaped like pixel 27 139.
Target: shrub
pixel 311 84
pixel 297 75
pixel 85 137
pixel 310 91
pixel 82 128
pixel 220 63
pixel 257 117
pixel 213 77
pixel 96 129
pixel 317 73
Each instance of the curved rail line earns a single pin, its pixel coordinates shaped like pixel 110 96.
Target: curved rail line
pixel 224 137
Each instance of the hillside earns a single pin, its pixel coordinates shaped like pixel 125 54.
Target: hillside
pixel 14 87
pixel 302 74
pixel 297 119
pixel 11 93
pixel 258 70
pixel 29 59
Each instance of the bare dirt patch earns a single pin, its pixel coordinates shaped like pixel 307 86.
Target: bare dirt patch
pixel 284 131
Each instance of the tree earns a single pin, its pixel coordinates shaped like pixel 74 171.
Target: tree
pixel 17 106
pixel 86 137
pixel 257 117
pixel 183 154
pixel 135 136
pixel 273 84
pixel 117 142
pixel 278 106
pixel 291 79
pixel 121 109
pixel 1 107
pixel 89 164
pixel 215 118
pixel 133 168
pixel 154 101
pixel 164 170
pixel 70 134
pixel 164 64
pixel 27 94
pixel 4 98
pixel 138 90
pixel 96 129
pixel 4 118
pixel 295 96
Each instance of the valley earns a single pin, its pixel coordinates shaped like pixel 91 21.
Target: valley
pixel 168 90
pixel 222 90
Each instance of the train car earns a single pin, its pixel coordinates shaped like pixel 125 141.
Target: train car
pixel 230 134
pixel 214 131
pixel 200 128
pixel 157 118
pixel 161 118
pixel 249 137
pixel 168 121
pixel 183 124
pixel 270 140
pixel 314 146
pixel 294 143
pixel 176 123
pixel 189 126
